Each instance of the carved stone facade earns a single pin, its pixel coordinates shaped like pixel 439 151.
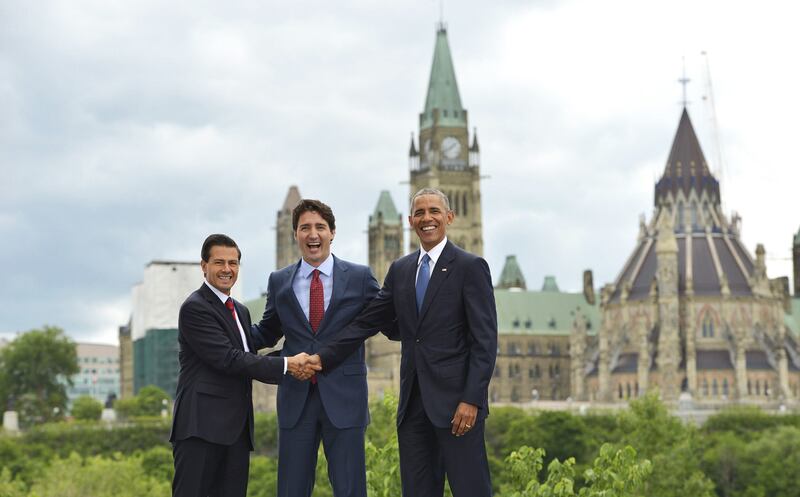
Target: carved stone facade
pixel 692 310
pixel 286 249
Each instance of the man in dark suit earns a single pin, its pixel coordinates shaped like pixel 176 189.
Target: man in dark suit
pixel 212 426
pixel 308 303
pixel 442 302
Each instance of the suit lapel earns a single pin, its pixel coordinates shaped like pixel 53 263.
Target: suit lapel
pixel 296 308
pixel 245 326
pixel 439 274
pixel 225 314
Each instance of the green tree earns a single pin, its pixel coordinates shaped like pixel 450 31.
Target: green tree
pixel 151 400
pixel 10 487
pixel 615 473
pixel 34 371
pixel 86 408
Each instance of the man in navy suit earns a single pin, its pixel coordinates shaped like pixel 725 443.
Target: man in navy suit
pixel 442 302
pixel 308 303
pixel 212 426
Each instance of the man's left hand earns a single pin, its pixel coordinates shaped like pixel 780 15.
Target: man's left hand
pixel 464 418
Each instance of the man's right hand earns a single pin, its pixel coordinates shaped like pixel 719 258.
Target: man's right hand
pixel 302 366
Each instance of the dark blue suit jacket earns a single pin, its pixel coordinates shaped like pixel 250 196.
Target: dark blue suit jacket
pixel 450 345
pixel 343 393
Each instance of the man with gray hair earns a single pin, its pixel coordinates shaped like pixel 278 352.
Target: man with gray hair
pixel 440 301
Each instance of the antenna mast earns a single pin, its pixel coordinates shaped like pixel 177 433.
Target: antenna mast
pixel 712 117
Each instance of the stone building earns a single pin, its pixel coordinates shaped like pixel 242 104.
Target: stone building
pixel 385 236
pixel 534 330
pixel 796 263
pixel 286 250
pixel 446 160
pixel 691 310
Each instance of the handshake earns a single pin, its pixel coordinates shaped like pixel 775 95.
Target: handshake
pixel 303 366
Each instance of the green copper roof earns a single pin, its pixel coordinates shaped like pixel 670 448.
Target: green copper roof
pixel 386 209
pixel 442 88
pixel 549 284
pixel 512 276
pixel 524 312
pixel 542 313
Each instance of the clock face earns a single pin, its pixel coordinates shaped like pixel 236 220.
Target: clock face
pixel 451 147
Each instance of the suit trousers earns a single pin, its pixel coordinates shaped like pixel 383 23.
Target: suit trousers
pixel 205 469
pixel 298 447
pixel 428 453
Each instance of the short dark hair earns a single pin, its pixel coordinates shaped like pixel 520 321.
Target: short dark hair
pixel 217 239
pixel 310 205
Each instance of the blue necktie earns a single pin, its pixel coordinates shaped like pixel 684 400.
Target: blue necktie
pixel 423 278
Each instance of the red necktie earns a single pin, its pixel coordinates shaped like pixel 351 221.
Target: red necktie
pixel 316 302
pixel 229 305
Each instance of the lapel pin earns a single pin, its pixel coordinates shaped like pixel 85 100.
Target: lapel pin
pixel 444 269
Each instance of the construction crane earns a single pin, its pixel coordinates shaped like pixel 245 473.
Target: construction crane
pixel 708 98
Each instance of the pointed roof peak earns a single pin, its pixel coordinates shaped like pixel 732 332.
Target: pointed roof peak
pixel 550 284
pixel 385 211
pixel 512 276
pixel 292 199
pixel 443 96
pixel 474 147
pixel 686 167
pixel 412 152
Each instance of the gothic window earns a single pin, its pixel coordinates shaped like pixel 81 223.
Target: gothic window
pixel 531 373
pixel 464 204
pixel 627 390
pixel 705 387
pixel 619 389
pixel 749 388
pixel 558 371
pixel 550 371
pixel 510 371
pixel 766 388
pixel 456 208
pixel 531 348
pixel 636 388
pixel 679 207
pixel 725 387
pixel 556 350
pixel 536 371
pixel 758 387
pixel 714 388
pixel 514 395
pixel 708 325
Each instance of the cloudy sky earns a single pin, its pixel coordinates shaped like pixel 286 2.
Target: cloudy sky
pixel 130 130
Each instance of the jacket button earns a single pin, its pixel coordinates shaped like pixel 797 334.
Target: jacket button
pixel 418 340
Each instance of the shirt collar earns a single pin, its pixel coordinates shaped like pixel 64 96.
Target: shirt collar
pixel 325 268
pixel 433 253
pixel 224 298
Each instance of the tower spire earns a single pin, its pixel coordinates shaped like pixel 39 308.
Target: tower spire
pixel 443 102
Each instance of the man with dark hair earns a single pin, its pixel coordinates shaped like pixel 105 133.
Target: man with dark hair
pixel 308 303
pixel 212 426
pixel 442 302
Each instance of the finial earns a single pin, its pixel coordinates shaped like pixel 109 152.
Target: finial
pixel 683 81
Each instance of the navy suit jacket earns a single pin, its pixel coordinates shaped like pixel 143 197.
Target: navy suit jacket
pixel 344 394
pixel 450 346
pixel 214 396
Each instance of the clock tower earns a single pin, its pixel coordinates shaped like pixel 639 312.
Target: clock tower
pixel 446 160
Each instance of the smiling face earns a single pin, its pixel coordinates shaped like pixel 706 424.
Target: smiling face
pixel 222 267
pixel 314 237
pixel 429 219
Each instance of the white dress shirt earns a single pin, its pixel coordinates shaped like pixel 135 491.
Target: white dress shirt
pixel 434 254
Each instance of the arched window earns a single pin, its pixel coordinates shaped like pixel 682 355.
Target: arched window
pixel 749 388
pixel 536 372
pixel 758 387
pixel 705 387
pixel 714 388
pixel 464 204
pixel 637 388
pixel 627 390
pixel 708 326
pixel 725 387
pixel 619 388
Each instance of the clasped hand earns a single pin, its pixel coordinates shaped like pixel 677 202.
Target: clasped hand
pixel 303 366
